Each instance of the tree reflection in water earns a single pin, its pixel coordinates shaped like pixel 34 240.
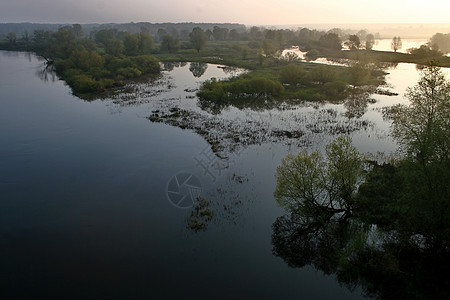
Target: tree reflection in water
pixel 170 65
pixel 385 270
pixel 198 68
pixel 356 104
pixel 354 222
pixel 47 73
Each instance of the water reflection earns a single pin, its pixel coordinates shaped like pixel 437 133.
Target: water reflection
pixel 170 65
pixel 357 103
pixel 256 104
pixel 384 271
pixel 198 68
pixel 46 73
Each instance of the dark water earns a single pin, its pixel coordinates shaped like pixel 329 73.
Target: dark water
pixel 84 211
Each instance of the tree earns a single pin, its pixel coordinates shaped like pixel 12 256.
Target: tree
pixel 145 43
pixel 161 33
pixel 85 60
pixel 423 127
pixel 320 189
pixel 387 229
pixel 268 47
pixel 114 46
pixel 42 40
pixel 331 41
pixel 170 44
pixel 220 34
pixel 370 41
pixel 64 43
pixel 104 35
pixel 77 30
pixel 131 44
pixel 353 42
pixel 255 32
pixel 87 44
pixel 423 131
pixel 424 51
pixel 396 43
pixel 234 34
pixel 197 38
pixel 12 38
pixel 441 42
pixel 26 36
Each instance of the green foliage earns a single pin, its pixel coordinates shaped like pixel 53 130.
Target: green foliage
pixel 129 72
pixel 198 38
pixel 145 43
pixel 241 88
pixel 131 44
pixel 370 41
pixel 388 229
pixel 293 74
pixel 170 44
pixel 353 42
pixel 102 36
pixel 85 60
pixel 147 64
pixel 114 47
pixel 318 188
pixel 84 69
pixel 412 196
pixel 220 34
pixel 83 83
pixel 11 37
pixel 312 54
pixel 87 44
pixel 64 43
pixel 423 127
pixel 335 89
pixel 330 41
pixel 322 74
pixel 268 47
pixel 424 51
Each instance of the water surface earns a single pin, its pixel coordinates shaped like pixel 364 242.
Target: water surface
pixel 84 211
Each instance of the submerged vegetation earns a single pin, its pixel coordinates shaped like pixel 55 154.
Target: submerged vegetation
pixel 385 227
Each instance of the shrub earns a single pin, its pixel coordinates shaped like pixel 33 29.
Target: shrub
pixel 129 72
pixel 83 84
pixel 322 74
pixel 292 74
pixel 335 88
pixel 147 64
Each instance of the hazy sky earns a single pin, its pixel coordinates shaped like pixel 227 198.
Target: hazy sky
pixel 250 12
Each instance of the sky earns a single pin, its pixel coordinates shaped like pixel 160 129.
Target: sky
pixel 248 12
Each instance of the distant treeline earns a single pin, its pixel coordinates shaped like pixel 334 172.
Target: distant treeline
pixel 181 31
pixel 93 58
pixel 177 29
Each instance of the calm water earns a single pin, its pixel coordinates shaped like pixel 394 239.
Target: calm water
pixel 85 203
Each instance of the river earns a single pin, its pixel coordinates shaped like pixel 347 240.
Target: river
pixel 95 198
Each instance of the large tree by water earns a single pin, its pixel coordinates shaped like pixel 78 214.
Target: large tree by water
pixel 385 227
